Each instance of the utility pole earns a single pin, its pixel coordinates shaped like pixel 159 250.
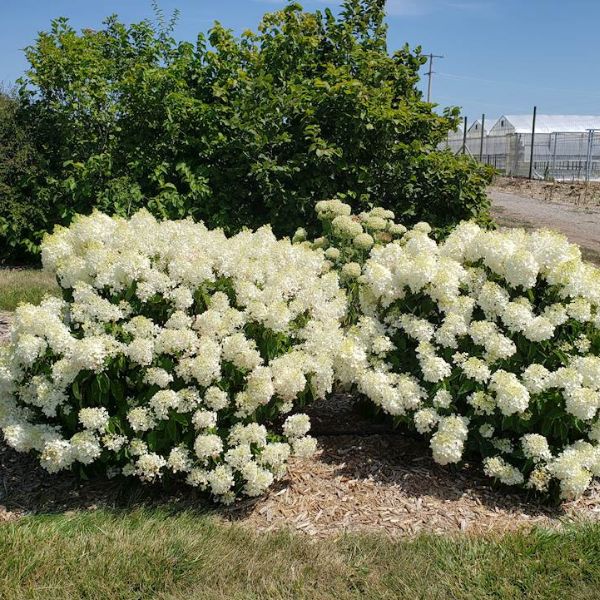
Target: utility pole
pixel 430 73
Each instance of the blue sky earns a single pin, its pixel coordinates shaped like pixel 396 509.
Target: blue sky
pixel 501 56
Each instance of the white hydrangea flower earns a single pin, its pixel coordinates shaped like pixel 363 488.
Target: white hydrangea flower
pixel 304 447
pixel 535 446
pixel 486 431
pixel 238 456
pixel 179 460
pixel 425 420
pixel 253 433
pixel 158 377
pixel 220 480
pixel 447 444
pixel 148 466
pixel 296 426
pixel 442 399
pixel 114 442
pixel 164 401
pixel 140 419
pixel 204 419
pixel 497 468
pixel 346 227
pixel 208 446
pixel 536 378
pixel 332 253
pixel 352 270
pixel 275 455
pixel 582 402
pixel 95 419
pixel 363 241
pixel 257 478
pixel 215 398
pixel 85 447
pixel 476 369
pixel 56 455
pixel 539 479
pixel 569 468
pixel 511 395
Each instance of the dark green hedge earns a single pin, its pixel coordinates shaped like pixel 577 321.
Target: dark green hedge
pixel 233 131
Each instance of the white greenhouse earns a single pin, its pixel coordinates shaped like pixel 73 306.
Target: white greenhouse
pixel 565 146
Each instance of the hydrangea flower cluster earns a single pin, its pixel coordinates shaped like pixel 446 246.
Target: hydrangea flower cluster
pixel 486 342
pixel 172 349
pixel 347 242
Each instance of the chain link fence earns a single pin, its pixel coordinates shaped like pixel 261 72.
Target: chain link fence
pixel 560 155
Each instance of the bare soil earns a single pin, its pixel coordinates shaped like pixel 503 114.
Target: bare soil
pixel 568 192
pixel 581 224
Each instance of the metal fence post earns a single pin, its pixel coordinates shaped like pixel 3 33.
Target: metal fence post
pixel 464 144
pixel 532 142
pixel 588 162
pixel 481 141
pixel 554 154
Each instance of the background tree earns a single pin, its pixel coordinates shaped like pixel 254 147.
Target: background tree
pixel 20 215
pixel 241 131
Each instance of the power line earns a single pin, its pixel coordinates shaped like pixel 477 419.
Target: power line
pixel 430 73
pixel 518 84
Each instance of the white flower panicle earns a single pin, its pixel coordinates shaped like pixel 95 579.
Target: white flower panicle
pixel 174 332
pixel 487 338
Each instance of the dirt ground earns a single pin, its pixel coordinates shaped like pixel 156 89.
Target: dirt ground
pixel 581 224
pixel 571 192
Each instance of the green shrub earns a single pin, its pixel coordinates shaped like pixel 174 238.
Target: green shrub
pixel 241 131
pixel 487 342
pixel 173 347
pixel 21 216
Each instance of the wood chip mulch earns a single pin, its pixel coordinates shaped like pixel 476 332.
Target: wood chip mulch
pixel 366 477
pixel 389 483
pixel 5 322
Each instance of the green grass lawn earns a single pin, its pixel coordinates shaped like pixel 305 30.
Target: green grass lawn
pixel 154 554
pixel 24 285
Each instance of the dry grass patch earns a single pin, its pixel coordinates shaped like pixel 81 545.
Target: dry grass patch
pixel 24 285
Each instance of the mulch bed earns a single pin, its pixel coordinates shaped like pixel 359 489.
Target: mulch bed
pixel 382 481
pixel 366 477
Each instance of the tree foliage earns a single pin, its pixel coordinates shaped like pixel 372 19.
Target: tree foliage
pixel 238 131
pixel 18 166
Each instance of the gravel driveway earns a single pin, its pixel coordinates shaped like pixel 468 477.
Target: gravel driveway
pixel 580 225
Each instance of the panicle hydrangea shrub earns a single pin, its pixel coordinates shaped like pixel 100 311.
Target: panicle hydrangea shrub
pixel 173 348
pixel 486 342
